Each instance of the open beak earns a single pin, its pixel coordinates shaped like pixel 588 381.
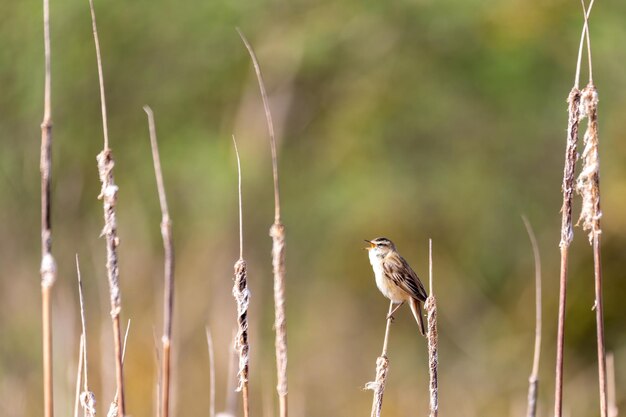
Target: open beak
pixel 370 246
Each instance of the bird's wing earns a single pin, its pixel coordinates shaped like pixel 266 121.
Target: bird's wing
pixel 404 277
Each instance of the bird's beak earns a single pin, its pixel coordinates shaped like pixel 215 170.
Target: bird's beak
pixel 370 246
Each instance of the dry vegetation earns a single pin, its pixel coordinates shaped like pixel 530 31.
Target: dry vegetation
pixel 582 104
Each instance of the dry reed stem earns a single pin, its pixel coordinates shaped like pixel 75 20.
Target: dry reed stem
pixel 277 232
pixel 588 186
pixel 584 32
pixel 242 297
pixel 157 357
pixel 566 237
pixel 566 220
pixel 610 368
pixel 168 246
pixel 209 342
pixel 48 265
pixel 533 380
pixel 108 194
pixel 382 368
pixel 433 357
pixel 87 398
pixel 114 407
pixel 79 373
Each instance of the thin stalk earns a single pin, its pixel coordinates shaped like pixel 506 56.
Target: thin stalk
pixel 48 265
pixel 108 194
pixel 157 356
pixel 168 245
pixel 209 341
pixel 566 237
pixel 433 340
pixel 584 32
pixel 382 368
pixel 602 377
pixel 277 232
pixel 114 407
pixel 533 380
pixel 87 398
pixel 242 297
pixel 79 373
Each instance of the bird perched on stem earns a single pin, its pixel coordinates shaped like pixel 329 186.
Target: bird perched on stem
pixel 395 278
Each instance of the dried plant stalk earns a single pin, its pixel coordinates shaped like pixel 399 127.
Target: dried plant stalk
pixel 433 357
pixel 209 342
pixel 48 265
pixel 382 368
pixel 87 398
pixel 114 408
pixel 242 297
pixel 566 237
pixel 168 246
pixel 79 372
pixel 108 195
pixel 277 232
pixel 588 186
pixel 567 234
pixel 533 380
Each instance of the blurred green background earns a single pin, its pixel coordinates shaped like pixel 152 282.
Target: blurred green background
pixel 407 119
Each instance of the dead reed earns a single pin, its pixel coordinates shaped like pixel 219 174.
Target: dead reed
pixel 114 406
pixel 209 342
pixel 168 246
pixel 48 265
pixel 242 297
pixel 79 372
pixel 382 368
pixel 87 398
pixel 433 343
pixel 533 380
pixel 108 194
pixel 567 233
pixel 277 232
pixel 588 186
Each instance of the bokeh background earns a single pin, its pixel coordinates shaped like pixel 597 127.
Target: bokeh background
pixel 408 119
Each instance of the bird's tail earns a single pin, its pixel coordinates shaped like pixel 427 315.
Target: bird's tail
pixel 416 308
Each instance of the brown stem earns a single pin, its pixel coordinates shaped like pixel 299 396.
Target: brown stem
pixel 382 368
pixel 47 351
pixel 566 237
pixel 79 372
pixel 533 380
pixel 270 124
pixel 433 340
pixel 168 246
pixel 242 297
pixel 580 46
pixel 48 266
pixel 558 394
pixel 109 196
pixel 602 379
pixel 277 232
pixel 209 341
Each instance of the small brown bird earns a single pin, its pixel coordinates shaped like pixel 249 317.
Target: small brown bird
pixel 395 278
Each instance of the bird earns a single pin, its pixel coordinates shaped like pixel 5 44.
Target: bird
pixel 395 278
